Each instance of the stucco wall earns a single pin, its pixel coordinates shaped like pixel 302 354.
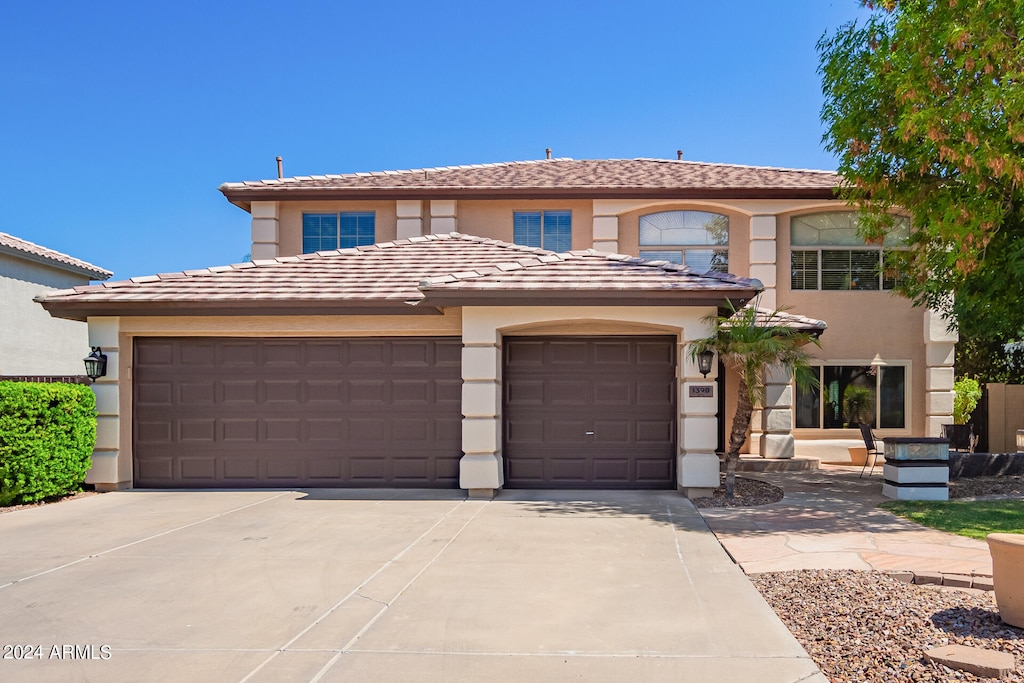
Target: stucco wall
pixel 31 341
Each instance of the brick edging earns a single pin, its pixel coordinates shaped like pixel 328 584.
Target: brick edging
pixel 979 581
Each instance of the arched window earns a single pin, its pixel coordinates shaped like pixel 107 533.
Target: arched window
pixel 828 253
pixel 697 238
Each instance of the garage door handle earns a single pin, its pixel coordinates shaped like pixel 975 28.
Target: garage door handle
pixel 590 433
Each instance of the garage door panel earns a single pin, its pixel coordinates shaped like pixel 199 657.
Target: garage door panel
pixel 620 388
pixel 313 412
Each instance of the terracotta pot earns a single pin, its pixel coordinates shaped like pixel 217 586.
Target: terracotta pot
pixel 859 456
pixel 1008 576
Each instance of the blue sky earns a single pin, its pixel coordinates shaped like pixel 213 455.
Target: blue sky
pixel 120 120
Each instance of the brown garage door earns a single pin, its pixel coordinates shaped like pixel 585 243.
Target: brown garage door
pixel 297 412
pixel 596 412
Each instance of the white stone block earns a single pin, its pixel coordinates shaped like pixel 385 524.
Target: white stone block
pixel 934 424
pixel 108 429
pixel 481 472
pixel 481 435
pixel 264 209
pixel 938 403
pixel 768 298
pixel 408 208
pixel 699 433
pixel 606 227
pixel 778 446
pixel 607 246
pixel 763 227
pixel 915 492
pixel 103 469
pixel 698 470
pixel 779 395
pixel 778 419
pixel 763 251
pixel 916 475
pixel 262 251
pixel 778 374
pixel 940 354
pixel 264 230
pixel 481 398
pixel 442 225
pixel 409 227
pixel 699 405
pixel 691 371
pixel 103 332
pixel 767 274
pixel 936 328
pixel 480 363
pixel 442 207
pixel 113 368
pixel 106 398
pixel 939 379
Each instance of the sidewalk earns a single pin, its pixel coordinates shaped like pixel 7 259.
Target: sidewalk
pixel 828 520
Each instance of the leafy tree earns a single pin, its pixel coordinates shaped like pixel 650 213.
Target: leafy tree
pixel 924 105
pixel 751 342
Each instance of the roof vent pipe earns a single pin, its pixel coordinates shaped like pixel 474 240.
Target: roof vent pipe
pixel 679 155
pixel 548 152
pixel 280 167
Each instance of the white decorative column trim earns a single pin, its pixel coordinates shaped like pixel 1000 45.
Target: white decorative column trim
pixel 606 226
pixel 410 218
pixel 480 470
pixel 697 464
pixel 940 354
pixel 443 217
pixel 777 440
pixel 105 472
pixel 763 257
pixel 266 230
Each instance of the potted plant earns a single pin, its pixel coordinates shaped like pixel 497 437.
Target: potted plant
pixel 966 394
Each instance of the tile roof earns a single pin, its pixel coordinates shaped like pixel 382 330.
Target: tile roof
pixel 389 277
pixel 13 245
pixel 550 177
pixel 768 318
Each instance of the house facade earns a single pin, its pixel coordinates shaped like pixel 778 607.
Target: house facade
pixel 33 343
pixel 518 324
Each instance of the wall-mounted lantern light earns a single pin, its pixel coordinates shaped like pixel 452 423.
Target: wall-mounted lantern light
pixel 95 364
pixel 704 360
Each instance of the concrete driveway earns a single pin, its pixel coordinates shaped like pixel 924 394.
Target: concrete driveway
pixel 330 585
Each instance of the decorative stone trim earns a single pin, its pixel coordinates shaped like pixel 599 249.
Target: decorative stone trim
pixel 976 581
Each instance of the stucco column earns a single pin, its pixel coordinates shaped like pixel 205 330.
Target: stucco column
pixel 763 257
pixel 410 218
pixel 606 226
pixel 777 415
pixel 443 217
pixel 697 465
pixel 481 470
pixel 265 230
pixel 940 353
pixel 106 473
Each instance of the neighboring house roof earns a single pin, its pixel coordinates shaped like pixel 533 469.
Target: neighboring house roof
pixel 9 244
pixel 585 178
pixel 769 318
pixel 394 277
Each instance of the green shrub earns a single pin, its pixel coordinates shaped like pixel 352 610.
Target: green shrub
pixel 47 434
pixel 967 393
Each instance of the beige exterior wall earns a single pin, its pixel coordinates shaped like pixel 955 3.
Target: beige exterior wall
pixel 290 222
pixel 32 342
pixel 493 219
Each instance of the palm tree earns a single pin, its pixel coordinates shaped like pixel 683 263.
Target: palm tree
pixel 750 341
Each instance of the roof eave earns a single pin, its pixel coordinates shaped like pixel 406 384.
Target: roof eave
pixel 535 297
pixel 90 273
pixel 81 310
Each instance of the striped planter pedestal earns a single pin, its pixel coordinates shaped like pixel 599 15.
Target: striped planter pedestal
pixel 916 468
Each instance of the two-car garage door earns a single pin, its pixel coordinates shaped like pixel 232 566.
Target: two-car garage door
pixel 213 412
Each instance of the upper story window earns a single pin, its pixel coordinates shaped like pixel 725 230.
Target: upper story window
pixel 551 230
pixel 697 238
pixel 827 253
pixel 327 231
pixel 849 395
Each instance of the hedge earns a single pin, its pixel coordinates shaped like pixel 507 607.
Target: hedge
pixel 47 434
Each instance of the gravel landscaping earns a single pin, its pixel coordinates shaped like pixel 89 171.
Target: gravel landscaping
pixel 868 626
pixel 748 492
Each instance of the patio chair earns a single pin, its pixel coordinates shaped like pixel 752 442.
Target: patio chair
pixel 874 448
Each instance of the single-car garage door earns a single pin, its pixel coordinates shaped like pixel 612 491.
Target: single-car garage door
pixel 596 412
pixel 213 412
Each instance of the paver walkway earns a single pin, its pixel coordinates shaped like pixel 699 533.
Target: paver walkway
pixel 829 520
